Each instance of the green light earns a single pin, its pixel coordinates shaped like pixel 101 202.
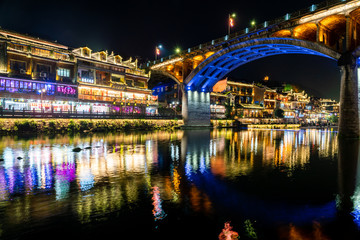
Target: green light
pixel 233 15
pixel 253 23
pixel 177 50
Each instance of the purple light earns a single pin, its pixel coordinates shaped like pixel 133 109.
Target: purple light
pixel 66 90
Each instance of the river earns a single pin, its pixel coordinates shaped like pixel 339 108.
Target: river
pixel 270 184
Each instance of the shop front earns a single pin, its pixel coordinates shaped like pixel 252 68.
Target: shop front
pixel 14 104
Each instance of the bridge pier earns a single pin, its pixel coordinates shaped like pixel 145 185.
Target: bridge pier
pixel 349 97
pixel 196 109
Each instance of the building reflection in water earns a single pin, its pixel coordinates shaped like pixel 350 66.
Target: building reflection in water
pixel 289 149
pixel 114 171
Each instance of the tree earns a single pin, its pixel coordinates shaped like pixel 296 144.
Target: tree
pixel 333 119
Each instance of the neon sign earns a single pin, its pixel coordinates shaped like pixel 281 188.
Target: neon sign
pixel 66 90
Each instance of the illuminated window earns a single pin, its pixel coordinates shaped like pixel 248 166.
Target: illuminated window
pixel 117 59
pixel 102 56
pixel 63 72
pixel 86 52
pixel 86 76
pixel 118 78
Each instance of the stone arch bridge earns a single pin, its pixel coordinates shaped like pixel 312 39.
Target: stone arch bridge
pixel 329 29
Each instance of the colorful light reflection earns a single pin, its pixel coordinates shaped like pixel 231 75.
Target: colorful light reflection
pixel 158 212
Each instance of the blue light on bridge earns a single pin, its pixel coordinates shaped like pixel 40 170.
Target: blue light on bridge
pixel 358 61
pixel 219 65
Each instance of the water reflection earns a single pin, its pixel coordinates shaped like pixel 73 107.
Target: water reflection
pixel 259 174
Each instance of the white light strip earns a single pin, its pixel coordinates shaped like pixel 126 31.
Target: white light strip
pixel 171 61
pixel 335 10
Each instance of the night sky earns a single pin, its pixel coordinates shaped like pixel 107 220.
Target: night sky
pixel 134 28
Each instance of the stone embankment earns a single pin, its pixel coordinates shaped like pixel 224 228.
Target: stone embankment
pixel 35 126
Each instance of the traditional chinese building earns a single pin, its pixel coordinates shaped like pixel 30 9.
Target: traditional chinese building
pixel 36 74
pixel 109 84
pixel 42 75
pixel 270 101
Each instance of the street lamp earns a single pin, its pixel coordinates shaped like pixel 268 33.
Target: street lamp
pixel 231 22
pixel 177 50
pixel 157 51
pixel 252 23
pixel 42 91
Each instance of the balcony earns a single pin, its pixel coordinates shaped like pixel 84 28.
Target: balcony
pixel 45 76
pixel 137 72
pixel 65 80
pixel 19 74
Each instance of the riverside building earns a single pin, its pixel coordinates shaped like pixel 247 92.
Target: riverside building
pixel 36 74
pixel 39 75
pixel 106 84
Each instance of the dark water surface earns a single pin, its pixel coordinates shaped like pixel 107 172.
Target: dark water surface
pixel 270 184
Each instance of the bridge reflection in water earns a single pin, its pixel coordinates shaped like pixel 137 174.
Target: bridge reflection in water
pixel 290 182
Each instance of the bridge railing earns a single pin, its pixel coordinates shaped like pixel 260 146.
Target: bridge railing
pixel 265 27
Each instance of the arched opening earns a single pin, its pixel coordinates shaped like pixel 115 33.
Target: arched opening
pixel 355 28
pixel 211 70
pixel 199 83
pixel 332 30
pixel 167 88
pixel 306 31
pixel 282 33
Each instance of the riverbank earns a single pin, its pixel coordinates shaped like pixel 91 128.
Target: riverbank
pixel 275 126
pixel 289 126
pixel 56 126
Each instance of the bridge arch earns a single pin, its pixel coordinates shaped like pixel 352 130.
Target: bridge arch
pixel 306 31
pixel 332 31
pixel 159 75
pixel 214 68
